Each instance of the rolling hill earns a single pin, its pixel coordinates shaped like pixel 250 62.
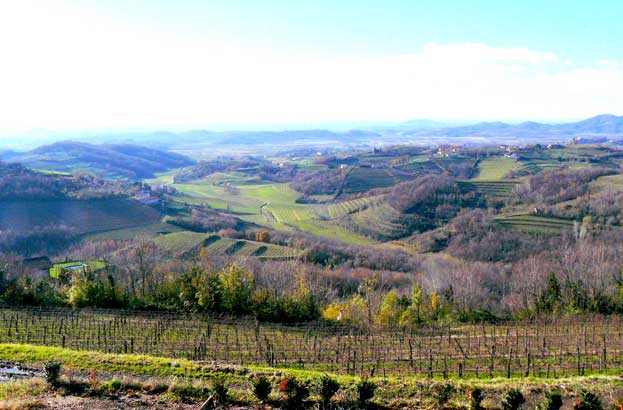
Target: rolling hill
pixel 114 161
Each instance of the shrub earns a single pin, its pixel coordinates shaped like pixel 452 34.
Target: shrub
pixel 296 392
pixel 513 400
pixel 588 401
pixel 365 392
pixel 92 380
pixel 188 393
pixel 261 388
pixel 328 387
pixel 553 401
pixel 52 371
pixel 475 398
pixel 442 394
pixel 220 392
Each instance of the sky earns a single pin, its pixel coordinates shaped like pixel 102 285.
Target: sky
pixel 120 64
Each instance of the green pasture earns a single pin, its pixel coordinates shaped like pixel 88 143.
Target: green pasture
pixel 496 168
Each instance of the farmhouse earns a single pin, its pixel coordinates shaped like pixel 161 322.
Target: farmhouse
pixel 41 263
pixel 146 198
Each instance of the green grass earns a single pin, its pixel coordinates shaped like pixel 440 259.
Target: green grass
pixel 492 169
pixel 59 268
pixel 21 389
pixel 269 204
pixel 131 233
pixel 402 391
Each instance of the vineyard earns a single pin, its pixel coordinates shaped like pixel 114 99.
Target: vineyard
pixel 536 166
pixel 83 217
pixel 362 179
pixel 219 246
pixel 380 221
pixel 536 224
pixel 554 348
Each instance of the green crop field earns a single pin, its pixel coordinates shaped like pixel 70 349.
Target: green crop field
pixel 535 224
pixel 492 169
pixel 84 217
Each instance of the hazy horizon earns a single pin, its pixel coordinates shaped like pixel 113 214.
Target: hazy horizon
pixel 83 65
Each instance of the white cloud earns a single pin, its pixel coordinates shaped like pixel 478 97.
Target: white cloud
pixel 68 68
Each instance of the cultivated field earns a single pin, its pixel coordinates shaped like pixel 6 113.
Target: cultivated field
pixel 556 348
pixel 83 216
pixel 273 205
pixel 190 243
pixel 362 179
pixel 340 209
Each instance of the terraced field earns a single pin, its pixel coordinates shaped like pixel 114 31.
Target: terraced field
pixel 85 217
pixel 379 221
pixel 338 210
pixel 179 243
pixel 498 188
pixel 228 246
pixel 534 224
pixel 190 243
pixel 536 166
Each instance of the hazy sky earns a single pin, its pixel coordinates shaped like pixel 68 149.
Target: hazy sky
pixel 90 64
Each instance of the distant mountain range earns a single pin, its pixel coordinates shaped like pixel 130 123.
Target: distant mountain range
pixel 421 131
pixel 111 160
pixel 601 125
pixel 607 126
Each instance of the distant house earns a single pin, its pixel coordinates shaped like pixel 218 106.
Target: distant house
pixel 146 198
pixel 42 263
